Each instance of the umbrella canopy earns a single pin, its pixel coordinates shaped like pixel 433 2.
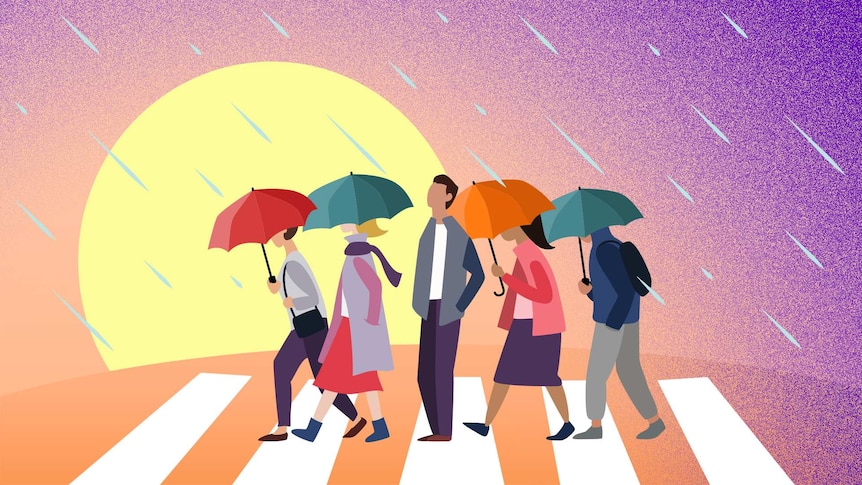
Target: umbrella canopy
pixel 259 215
pixel 486 209
pixel 585 211
pixel 356 199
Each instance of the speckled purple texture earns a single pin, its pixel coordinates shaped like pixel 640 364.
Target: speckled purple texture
pixel 631 110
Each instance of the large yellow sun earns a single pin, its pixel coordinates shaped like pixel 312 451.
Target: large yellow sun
pixel 149 284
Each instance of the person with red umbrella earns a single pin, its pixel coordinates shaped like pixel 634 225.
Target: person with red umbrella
pixel 252 219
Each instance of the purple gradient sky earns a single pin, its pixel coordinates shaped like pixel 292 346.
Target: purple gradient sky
pixel 629 109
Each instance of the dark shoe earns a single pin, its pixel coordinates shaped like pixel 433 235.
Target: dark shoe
pixel 273 437
pixel 563 433
pixel 653 431
pixel 309 433
pixel 436 437
pixel 356 428
pixel 479 428
pixel 381 432
pixel 590 434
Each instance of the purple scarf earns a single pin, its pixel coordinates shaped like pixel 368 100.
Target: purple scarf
pixel 360 248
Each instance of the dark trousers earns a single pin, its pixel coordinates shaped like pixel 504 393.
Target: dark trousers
pixel 437 347
pixel 291 355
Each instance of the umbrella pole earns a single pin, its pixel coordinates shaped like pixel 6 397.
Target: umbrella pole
pixel 494 255
pixel 583 268
pixel 271 277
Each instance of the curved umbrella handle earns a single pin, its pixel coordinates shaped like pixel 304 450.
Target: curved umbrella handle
pixel 494 255
pixel 502 289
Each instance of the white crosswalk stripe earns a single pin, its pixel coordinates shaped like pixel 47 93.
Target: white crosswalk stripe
pixel 588 461
pixel 468 458
pixel 295 459
pixel 727 450
pixel 150 452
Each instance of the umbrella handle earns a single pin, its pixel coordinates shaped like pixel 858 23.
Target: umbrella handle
pixel 271 277
pixel 494 255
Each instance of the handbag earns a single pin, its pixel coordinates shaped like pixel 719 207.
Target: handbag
pixel 308 323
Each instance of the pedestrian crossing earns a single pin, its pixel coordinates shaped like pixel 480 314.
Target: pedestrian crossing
pixel 316 458
pixel 468 458
pixel 588 461
pixel 149 453
pixel 710 424
pixel 725 448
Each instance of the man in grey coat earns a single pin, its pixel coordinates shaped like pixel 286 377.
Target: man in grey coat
pixel 441 294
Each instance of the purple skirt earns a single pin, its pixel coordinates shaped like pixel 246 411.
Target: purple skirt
pixel 527 360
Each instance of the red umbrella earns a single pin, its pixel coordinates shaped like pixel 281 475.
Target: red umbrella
pixel 259 215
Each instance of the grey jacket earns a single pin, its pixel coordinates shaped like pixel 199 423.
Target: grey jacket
pixel 461 258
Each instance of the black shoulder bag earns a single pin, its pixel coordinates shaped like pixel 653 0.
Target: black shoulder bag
pixel 308 323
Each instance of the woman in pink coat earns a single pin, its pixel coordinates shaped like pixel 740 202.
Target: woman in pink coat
pixel 533 315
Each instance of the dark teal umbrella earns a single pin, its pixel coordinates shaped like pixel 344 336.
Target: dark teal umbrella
pixel 355 199
pixel 585 211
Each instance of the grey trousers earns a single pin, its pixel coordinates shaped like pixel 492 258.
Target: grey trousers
pixel 620 347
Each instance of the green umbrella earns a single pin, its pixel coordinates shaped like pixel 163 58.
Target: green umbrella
pixel 355 199
pixel 585 211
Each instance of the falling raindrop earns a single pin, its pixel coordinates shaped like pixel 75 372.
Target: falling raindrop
pixel 357 145
pixel 276 25
pixel 738 28
pixel 578 148
pixel 783 330
pixel 817 147
pixel 156 272
pixel 714 128
pixel 681 190
pixel 253 124
pixel 405 77
pixel 805 250
pixel 540 37
pixel 84 321
pixel 36 221
pixel 81 36
pixel 120 162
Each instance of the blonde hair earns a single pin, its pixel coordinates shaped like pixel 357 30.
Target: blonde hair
pixel 371 228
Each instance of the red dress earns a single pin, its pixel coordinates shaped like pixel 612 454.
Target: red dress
pixel 336 373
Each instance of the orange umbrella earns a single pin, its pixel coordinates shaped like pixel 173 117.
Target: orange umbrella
pixel 486 209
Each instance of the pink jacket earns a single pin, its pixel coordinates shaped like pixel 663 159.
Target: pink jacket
pixel 537 284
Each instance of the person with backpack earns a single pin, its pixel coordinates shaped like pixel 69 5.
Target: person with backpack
pixel 614 268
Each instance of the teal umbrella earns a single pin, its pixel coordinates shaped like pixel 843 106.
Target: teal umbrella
pixel 355 199
pixel 585 211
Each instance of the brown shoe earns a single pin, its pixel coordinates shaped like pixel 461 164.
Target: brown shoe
pixel 273 437
pixel 436 437
pixel 356 428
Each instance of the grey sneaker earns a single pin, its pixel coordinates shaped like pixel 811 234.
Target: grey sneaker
pixel 590 434
pixel 653 431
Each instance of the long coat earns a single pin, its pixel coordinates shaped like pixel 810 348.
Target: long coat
pixel 363 292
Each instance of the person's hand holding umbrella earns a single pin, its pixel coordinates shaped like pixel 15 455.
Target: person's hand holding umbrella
pixel 486 209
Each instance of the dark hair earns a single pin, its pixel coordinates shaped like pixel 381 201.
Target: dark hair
pixel 536 232
pixel 451 187
pixel 288 234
